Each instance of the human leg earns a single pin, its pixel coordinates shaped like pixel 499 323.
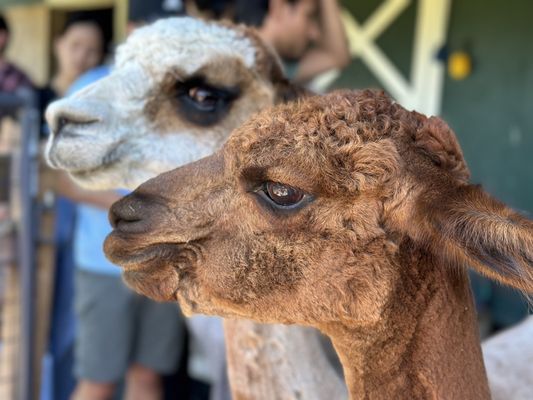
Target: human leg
pixel 158 346
pixel 143 383
pixel 89 390
pixel 104 334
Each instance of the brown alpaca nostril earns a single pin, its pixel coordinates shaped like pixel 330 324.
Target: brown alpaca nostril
pixel 124 215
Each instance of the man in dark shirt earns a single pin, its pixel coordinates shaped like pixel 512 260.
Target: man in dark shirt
pixel 308 34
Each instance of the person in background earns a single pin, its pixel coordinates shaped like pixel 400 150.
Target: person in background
pixel 309 37
pixel 309 45
pixel 12 78
pixel 143 12
pixel 121 335
pixel 211 9
pixel 78 48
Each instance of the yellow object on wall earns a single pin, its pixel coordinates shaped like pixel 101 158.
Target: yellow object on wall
pixel 459 65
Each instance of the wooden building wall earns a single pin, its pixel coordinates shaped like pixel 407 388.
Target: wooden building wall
pixel 492 109
pixel 34 25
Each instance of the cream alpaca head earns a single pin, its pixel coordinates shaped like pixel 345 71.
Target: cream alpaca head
pixel 178 88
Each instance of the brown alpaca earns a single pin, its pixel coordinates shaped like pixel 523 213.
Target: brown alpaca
pixel 343 212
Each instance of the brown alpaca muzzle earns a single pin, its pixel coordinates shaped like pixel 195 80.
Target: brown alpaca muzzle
pixel 153 263
pixel 135 238
pixel 129 215
pixel 161 231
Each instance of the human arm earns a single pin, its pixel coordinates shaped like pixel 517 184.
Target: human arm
pixel 331 50
pixel 67 188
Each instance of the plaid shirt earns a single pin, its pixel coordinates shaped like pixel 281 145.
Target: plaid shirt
pixel 12 78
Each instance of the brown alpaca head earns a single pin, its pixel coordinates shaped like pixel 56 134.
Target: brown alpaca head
pixel 309 213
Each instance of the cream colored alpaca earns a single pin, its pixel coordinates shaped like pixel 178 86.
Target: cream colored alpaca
pixel 177 90
pixel 509 362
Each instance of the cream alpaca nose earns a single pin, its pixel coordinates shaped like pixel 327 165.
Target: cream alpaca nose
pixel 71 113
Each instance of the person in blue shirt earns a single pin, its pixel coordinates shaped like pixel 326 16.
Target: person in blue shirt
pixel 119 334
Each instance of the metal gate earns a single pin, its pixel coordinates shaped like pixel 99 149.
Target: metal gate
pixel 19 241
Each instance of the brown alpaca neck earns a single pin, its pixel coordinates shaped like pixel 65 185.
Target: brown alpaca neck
pixel 426 346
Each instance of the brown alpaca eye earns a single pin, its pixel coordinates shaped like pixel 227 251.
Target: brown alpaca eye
pixel 283 195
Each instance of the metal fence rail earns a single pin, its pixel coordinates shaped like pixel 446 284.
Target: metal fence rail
pixel 24 191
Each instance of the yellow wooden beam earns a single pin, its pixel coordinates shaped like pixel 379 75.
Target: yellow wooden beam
pixel 120 22
pixel 80 4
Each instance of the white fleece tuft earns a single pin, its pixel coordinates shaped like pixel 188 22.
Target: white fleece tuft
pixel 156 48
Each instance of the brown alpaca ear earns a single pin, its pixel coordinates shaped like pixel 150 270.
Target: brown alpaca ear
pixel 436 140
pixel 471 227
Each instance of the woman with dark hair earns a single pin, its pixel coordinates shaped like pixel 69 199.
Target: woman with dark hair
pixel 78 48
pixel 120 336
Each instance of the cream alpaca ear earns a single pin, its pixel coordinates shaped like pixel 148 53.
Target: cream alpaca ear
pixel 269 65
pixel 470 226
pixel 287 91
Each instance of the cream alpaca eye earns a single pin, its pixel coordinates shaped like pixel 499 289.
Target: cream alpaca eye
pixel 203 96
pixel 202 103
pixel 283 195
